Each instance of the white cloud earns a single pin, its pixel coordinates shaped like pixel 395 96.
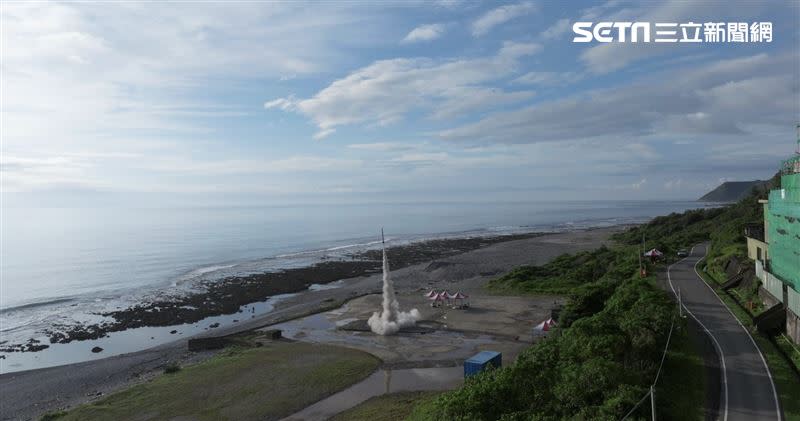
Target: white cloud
pixel 638 185
pixel 322 134
pixel 129 76
pixel 673 184
pixel 385 91
pixel 500 15
pixel 549 78
pixel 380 146
pixel 557 30
pixel 730 95
pixel 642 151
pixel 285 104
pixel 425 33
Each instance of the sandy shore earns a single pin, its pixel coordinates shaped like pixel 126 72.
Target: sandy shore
pixel 28 394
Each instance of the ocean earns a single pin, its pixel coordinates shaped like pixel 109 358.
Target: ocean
pixel 64 265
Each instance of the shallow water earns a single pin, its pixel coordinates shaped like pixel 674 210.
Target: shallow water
pixel 127 341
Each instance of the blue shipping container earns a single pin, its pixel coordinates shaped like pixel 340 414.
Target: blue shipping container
pixel 481 361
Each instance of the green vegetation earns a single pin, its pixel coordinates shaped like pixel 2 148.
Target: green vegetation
pixel 789 348
pixel 680 392
pixel 606 352
pixel 172 368
pixel 786 381
pixel 562 275
pixel 53 416
pixel 266 382
pixel 391 407
pixel 600 364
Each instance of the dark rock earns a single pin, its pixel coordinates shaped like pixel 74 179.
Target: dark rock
pixel 273 333
pixel 213 325
pixel 202 344
pixel 97 349
pixel 172 332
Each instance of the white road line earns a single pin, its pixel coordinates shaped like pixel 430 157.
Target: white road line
pixel 708 332
pixel 763 360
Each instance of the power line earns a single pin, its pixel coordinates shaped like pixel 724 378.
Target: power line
pixel 651 391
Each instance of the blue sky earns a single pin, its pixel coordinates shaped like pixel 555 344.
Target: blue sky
pixel 293 102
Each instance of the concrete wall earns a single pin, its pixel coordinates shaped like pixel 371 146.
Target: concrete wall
pixel 767 298
pixel 793 300
pixel 793 326
pixel 773 285
pixel 753 246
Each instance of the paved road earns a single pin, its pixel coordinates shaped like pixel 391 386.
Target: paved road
pixel 748 392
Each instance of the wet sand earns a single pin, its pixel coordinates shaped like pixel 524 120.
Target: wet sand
pixel 28 394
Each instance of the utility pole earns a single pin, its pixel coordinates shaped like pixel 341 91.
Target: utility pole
pixel 653 402
pixel 680 303
pixel 640 261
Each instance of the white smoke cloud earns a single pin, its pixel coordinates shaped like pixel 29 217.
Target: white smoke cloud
pixel 391 319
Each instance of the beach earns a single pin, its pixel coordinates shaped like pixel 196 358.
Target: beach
pixel 435 266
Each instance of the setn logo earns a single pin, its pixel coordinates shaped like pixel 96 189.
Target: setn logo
pixel 603 31
pixel 687 32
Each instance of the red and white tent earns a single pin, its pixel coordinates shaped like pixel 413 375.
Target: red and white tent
pixel 654 253
pixel 544 327
pixel 431 294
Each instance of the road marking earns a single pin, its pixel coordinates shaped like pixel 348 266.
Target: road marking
pixel 708 332
pixel 763 360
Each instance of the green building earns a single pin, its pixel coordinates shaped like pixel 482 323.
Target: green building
pixel 776 249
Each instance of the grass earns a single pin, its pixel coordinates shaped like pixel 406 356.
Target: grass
pixel 786 381
pixel 789 348
pixel 267 382
pixel 391 407
pixel 680 393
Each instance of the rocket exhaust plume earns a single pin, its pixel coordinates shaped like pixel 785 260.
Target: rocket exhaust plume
pixel 391 319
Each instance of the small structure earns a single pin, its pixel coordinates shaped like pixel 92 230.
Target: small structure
pixel 273 334
pixel 654 254
pixel 484 360
pixel 458 296
pixel 438 299
pixel 432 294
pixel 543 328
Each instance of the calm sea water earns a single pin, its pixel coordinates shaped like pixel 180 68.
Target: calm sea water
pixel 60 265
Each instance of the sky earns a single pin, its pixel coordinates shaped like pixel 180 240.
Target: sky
pixel 358 102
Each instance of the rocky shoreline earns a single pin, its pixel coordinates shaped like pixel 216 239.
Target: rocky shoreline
pixel 228 295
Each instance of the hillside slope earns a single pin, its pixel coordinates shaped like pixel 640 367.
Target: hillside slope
pixel 733 191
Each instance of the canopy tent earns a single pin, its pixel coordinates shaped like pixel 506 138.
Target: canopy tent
pixel 431 294
pixel 654 253
pixel 463 297
pixel 544 327
pixel 438 299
